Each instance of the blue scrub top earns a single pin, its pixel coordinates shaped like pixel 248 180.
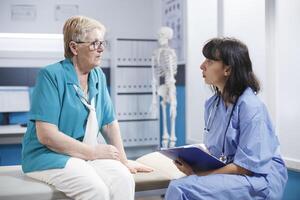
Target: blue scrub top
pixel 54 100
pixel 250 141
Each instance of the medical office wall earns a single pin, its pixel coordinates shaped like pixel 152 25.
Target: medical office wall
pixel 23 56
pixel 271 30
pixel 131 19
pixel 127 19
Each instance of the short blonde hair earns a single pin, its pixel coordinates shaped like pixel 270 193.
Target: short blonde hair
pixel 76 28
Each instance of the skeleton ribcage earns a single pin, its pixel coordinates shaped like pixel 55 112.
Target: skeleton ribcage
pixel 166 65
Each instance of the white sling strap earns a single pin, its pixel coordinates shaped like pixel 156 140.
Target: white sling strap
pixel 91 136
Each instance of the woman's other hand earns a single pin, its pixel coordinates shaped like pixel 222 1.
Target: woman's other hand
pixel 106 151
pixel 184 167
pixel 135 167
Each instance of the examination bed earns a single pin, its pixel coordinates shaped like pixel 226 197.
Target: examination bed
pixel 15 185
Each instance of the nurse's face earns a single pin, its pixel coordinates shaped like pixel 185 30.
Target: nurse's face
pixel 90 51
pixel 214 72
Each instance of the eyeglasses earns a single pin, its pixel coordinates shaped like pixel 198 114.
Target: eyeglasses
pixel 95 45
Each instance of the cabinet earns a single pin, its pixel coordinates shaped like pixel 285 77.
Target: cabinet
pixel 131 92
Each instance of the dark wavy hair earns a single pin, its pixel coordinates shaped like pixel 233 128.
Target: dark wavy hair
pixel 234 54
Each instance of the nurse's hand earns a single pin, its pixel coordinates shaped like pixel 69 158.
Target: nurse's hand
pixel 106 151
pixel 184 167
pixel 135 167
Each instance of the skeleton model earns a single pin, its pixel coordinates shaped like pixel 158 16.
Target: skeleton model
pixel 164 65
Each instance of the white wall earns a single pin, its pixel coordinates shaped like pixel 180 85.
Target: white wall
pixel 271 30
pixel 127 19
pixel 287 61
pixel 245 20
pixel 130 18
pixel 201 25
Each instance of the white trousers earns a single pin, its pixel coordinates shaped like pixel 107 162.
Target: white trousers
pixel 101 179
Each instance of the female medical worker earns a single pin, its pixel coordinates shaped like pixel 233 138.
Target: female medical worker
pixel 70 105
pixel 238 130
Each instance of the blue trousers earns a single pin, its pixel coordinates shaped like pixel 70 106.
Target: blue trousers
pixel 217 186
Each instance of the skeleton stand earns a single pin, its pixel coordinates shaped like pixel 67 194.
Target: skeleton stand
pixel 164 64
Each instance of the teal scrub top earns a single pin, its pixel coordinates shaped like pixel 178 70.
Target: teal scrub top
pixel 55 100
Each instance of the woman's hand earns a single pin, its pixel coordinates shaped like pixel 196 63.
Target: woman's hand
pixel 184 167
pixel 135 167
pixel 106 151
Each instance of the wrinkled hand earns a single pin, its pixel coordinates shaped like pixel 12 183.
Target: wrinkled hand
pixel 106 151
pixel 184 167
pixel 135 167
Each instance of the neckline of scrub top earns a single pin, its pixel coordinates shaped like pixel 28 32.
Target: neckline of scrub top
pixel 225 108
pixel 72 78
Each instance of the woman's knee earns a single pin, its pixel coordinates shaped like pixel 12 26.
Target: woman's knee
pixel 125 177
pixel 96 190
pixel 83 182
pixel 87 187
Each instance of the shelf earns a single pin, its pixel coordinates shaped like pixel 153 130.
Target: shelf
pixel 12 129
pixel 11 134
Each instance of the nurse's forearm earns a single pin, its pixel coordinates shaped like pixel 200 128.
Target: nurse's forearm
pixel 113 134
pixel 49 135
pixel 228 169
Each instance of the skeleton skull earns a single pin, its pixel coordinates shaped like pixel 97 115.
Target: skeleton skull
pixel 164 34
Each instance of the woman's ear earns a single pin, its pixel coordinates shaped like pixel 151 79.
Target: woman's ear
pixel 73 48
pixel 227 70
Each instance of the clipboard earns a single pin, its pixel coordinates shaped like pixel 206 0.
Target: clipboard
pixel 194 155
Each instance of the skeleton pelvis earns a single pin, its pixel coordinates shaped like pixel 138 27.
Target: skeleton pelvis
pixel 167 92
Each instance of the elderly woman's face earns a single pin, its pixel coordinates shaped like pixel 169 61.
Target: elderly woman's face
pixel 90 52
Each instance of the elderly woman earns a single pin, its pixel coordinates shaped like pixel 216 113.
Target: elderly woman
pixel 70 108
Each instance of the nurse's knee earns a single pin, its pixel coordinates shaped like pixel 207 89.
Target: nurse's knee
pixel 180 186
pixel 174 191
pixel 175 183
pixel 175 186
